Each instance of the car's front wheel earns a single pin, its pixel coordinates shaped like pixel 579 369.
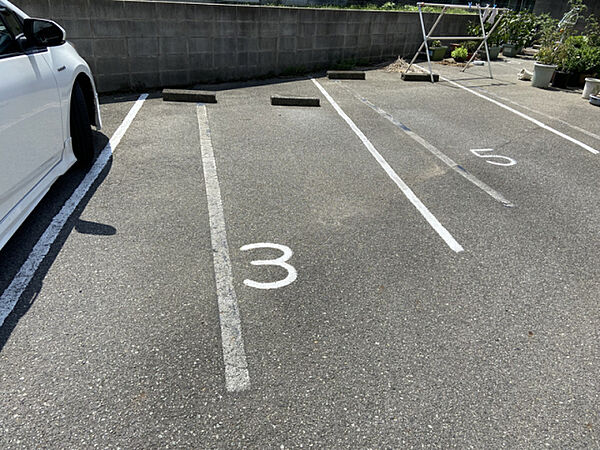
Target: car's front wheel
pixel 81 129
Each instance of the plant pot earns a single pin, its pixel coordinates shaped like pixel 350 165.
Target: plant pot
pixel 595 100
pixel 542 74
pixel 437 53
pixel 592 87
pixel 494 52
pixel 561 79
pixel 510 50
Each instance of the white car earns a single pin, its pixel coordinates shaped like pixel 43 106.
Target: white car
pixel 48 103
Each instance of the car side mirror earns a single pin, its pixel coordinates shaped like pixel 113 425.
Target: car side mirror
pixel 43 33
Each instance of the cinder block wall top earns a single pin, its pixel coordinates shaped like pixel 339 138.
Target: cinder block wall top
pixel 134 45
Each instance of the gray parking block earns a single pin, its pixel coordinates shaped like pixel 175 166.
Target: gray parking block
pixel 420 77
pixel 188 95
pixel 278 100
pixel 346 75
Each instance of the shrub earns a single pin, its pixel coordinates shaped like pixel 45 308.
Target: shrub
pixel 436 44
pixel 460 54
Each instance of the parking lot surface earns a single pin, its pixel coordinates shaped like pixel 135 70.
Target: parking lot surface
pixel 428 277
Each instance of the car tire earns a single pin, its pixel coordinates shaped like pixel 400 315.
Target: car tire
pixel 81 129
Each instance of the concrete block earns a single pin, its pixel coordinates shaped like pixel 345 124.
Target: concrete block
pixel 143 28
pixel 248 29
pixel 268 60
pixel 288 29
pixel 140 10
pixel 223 60
pixel 269 43
pixel 329 42
pixel 172 11
pixel 69 9
pixel 200 45
pixel 203 61
pixel 202 76
pixel 305 43
pixel 306 29
pixel 143 64
pixel 346 75
pixel 97 9
pixel 420 77
pixel 350 41
pixel 109 47
pixel 175 78
pixel 288 16
pixel 172 45
pixel 77 28
pixel 112 83
pixel 224 45
pixel 288 61
pixel 277 100
pixel 35 8
pixel 268 29
pixel 247 44
pixel 252 58
pixel 112 65
pixel 142 46
pixel 247 14
pixel 330 29
pixel 169 28
pixel 225 29
pixel 142 81
pixel 199 29
pixel 269 14
pixel 286 44
pixel 109 27
pixel 188 95
pixel 224 13
pixel 173 62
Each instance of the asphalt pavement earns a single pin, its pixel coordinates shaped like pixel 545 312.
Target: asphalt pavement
pixel 389 336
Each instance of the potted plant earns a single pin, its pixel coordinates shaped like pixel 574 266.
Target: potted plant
pixel 518 30
pixel 437 51
pixel 460 54
pixel 544 67
pixel 566 59
pixel 493 40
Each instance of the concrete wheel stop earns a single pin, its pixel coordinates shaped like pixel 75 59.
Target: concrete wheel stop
pixel 188 95
pixel 279 100
pixel 346 75
pixel 420 76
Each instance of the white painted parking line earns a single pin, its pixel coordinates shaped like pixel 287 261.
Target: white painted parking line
pixel 535 111
pixel 522 115
pixel 410 195
pixel 434 150
pixel 13 292
pixel 234 357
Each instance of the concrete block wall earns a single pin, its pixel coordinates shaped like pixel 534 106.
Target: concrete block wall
pixel 134 45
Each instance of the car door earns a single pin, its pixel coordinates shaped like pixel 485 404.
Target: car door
pixel 31 136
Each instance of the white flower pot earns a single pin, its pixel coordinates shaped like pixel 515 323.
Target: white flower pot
pixel 592 87
pixel 542 74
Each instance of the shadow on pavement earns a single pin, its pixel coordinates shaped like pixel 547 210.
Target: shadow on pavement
pixel 18 248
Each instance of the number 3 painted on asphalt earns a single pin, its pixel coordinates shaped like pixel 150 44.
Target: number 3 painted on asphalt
pixel 280 262
pixel 478 151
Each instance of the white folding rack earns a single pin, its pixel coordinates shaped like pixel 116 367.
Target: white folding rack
pixel 484 36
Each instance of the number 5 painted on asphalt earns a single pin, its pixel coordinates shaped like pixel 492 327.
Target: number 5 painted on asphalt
pixel 280 262
pixel 478 151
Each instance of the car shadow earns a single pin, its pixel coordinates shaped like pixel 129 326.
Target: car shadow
pixel 16 252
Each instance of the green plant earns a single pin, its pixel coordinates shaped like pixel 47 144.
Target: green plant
pixel 545 56
pixel 471 46
pixel 460 54
pixel 435 44
pixel 474 29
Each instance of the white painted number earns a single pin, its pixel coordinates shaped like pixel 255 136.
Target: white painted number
pixel 281 262
pixel 479 151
